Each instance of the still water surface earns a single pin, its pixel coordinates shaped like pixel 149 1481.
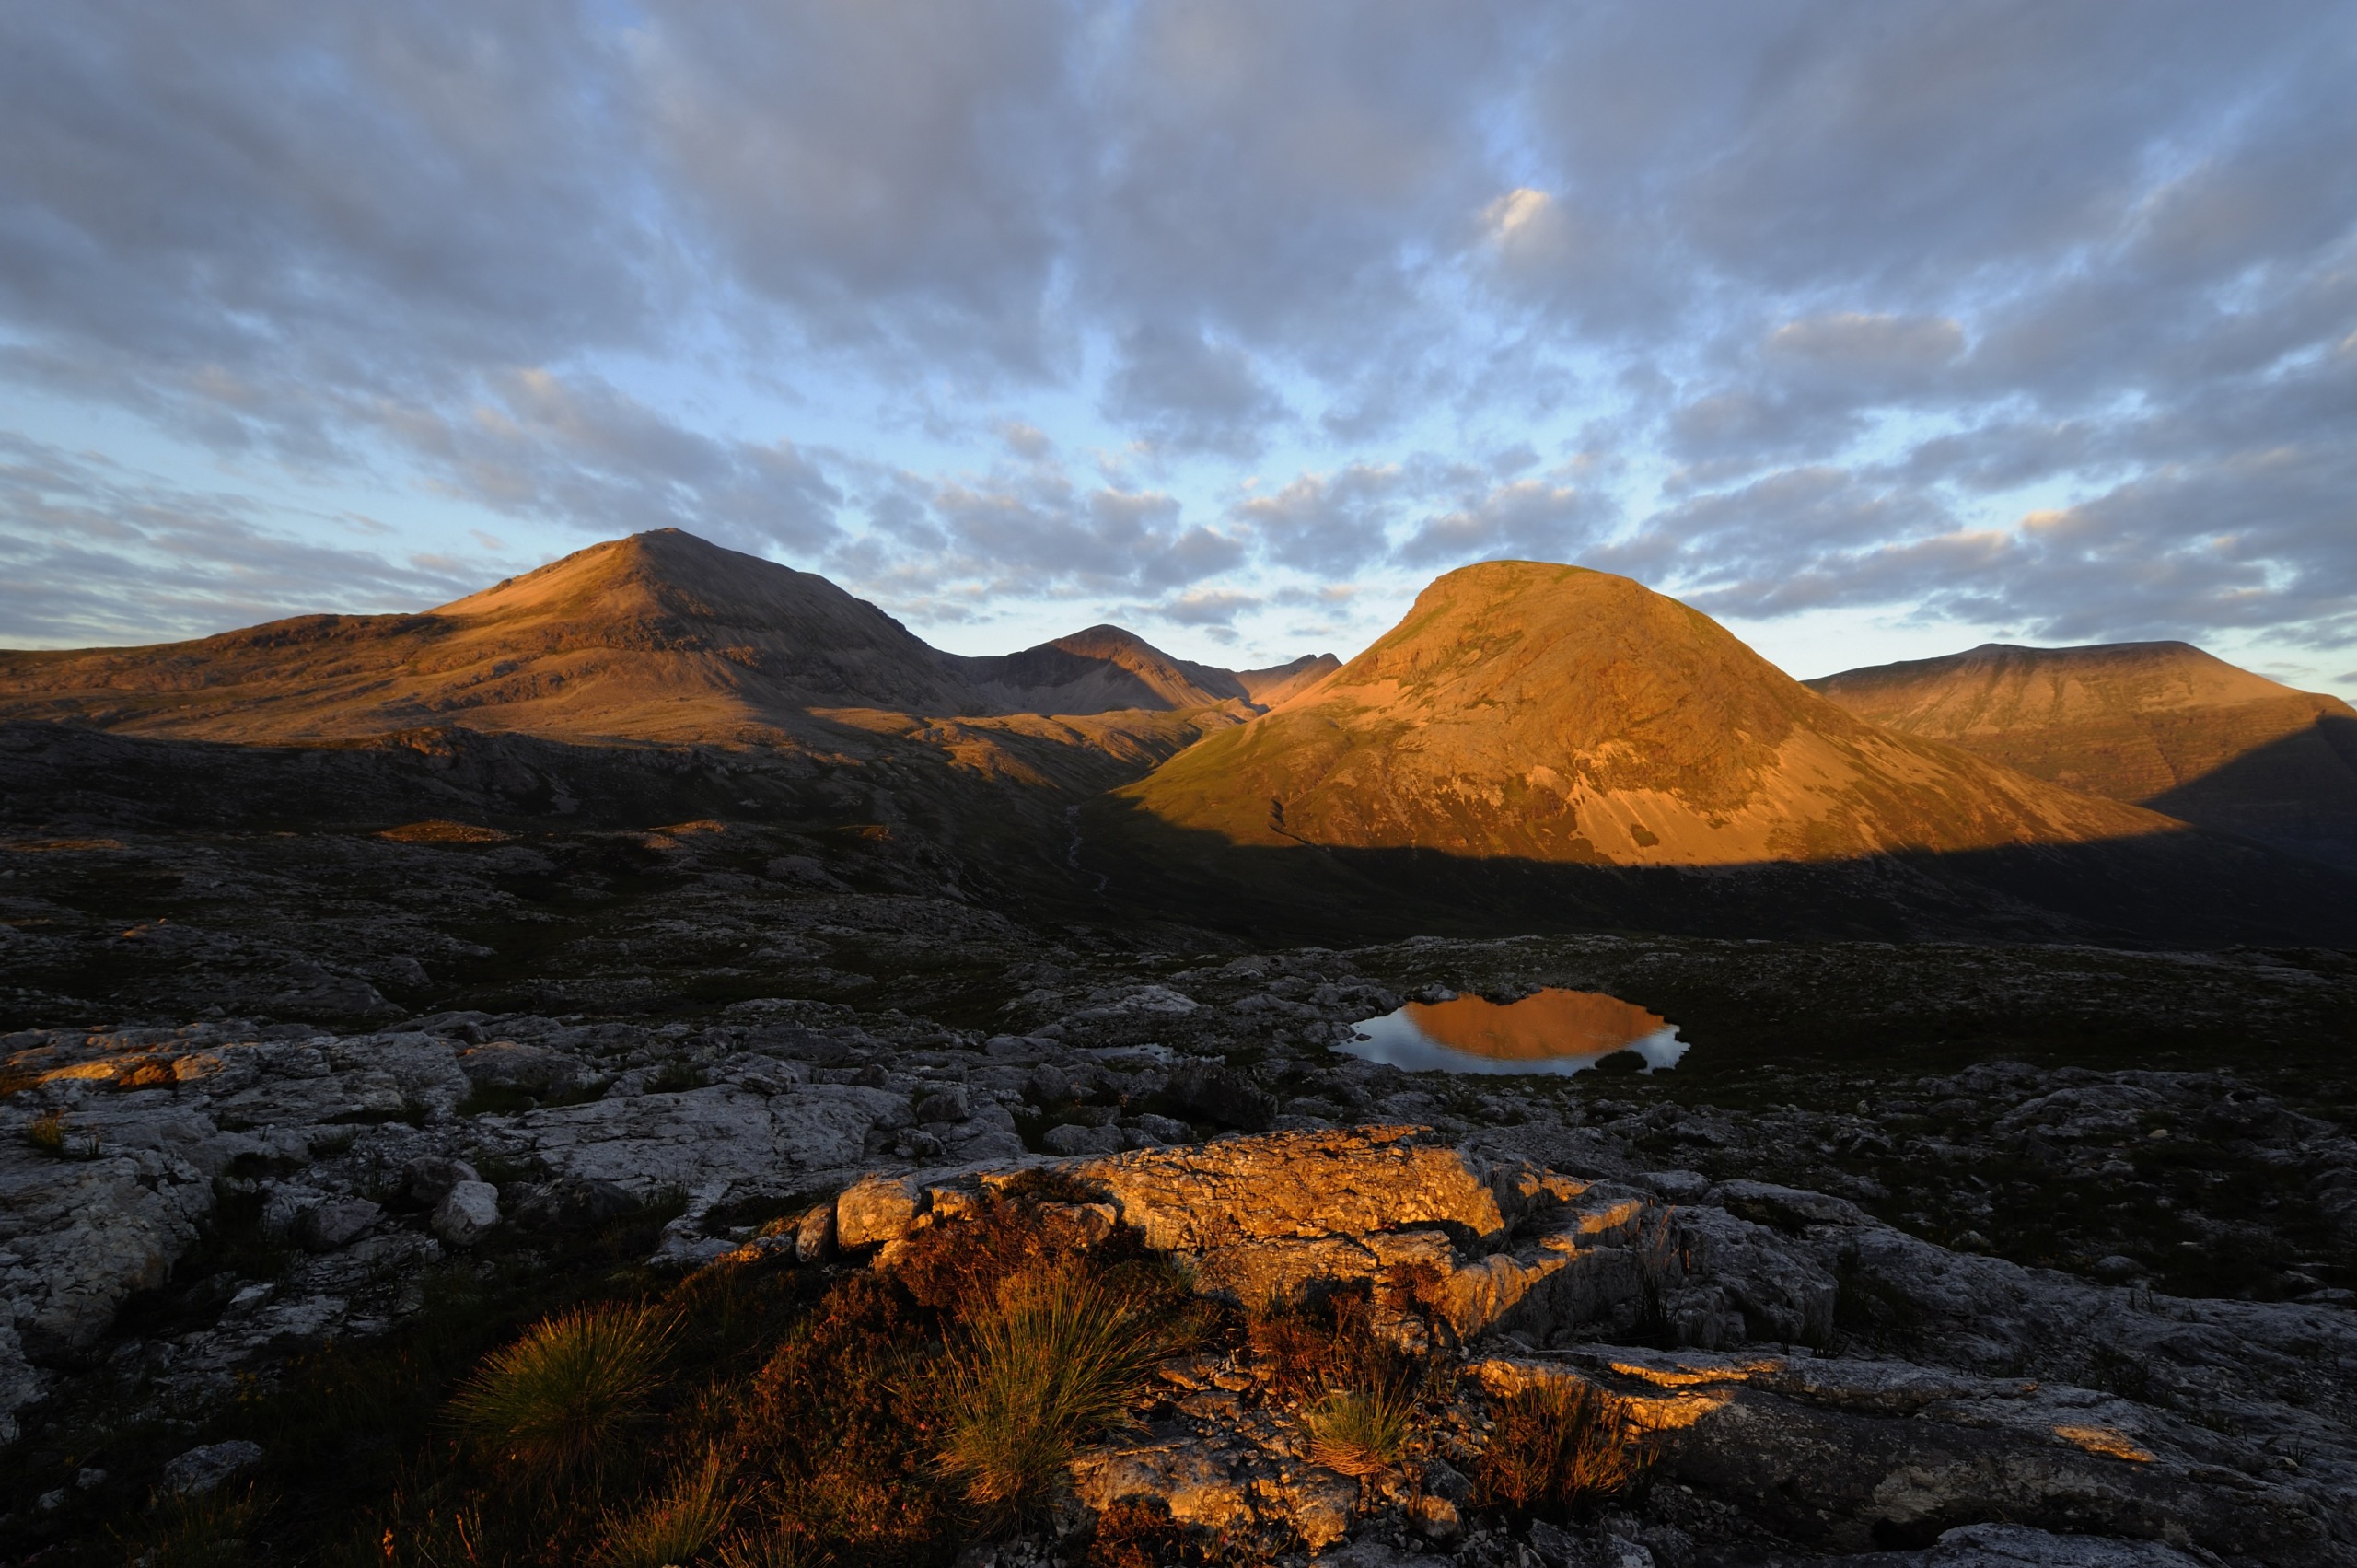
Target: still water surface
pixel 1547 1031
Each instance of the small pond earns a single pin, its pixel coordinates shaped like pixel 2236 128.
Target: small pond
pixel 1547 1031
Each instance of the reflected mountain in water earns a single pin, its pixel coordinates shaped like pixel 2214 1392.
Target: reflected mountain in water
pixel 1547 1031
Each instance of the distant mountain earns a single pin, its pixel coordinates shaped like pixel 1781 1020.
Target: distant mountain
pixel 1541 746
pixel 1553 714
pixel 2164 724
pixel 661 636
pixel 1107 667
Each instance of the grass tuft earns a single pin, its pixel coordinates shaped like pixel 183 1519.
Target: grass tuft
pixel 1559 1448
pixel 671 1527
pixel 1361 1432
pixel 558 1400
pixel 1056 1357
pixel 47 1132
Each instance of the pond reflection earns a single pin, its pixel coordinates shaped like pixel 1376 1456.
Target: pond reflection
pixel 1547 1031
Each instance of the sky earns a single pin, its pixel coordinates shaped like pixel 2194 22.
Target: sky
pixel 1875 329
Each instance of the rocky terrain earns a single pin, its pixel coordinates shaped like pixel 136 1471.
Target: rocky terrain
pixel 2164 724
pixel 1919 1283
pixel 346 1042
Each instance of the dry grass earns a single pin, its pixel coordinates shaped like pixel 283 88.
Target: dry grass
pixel 672 1527
pixel 47 1132
pixel 1559 1448
pixel 1055 1357
pixel 1361 1432
pixel 214 1530
pixel 561 1399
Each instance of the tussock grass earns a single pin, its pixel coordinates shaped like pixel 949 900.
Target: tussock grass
pixel 1559 1448
pixel 561 1399
pixel 672 1527
pixel 1361 1432
pixel 1055 1357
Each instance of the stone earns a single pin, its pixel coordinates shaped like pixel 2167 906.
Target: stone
pixel 814 1235
pixel 571 1204
pixel 467 1212
pixel 1295 1185
pixel 535 1069
pixel 338 1222
pixel 201 1471
pixel 1047 1085
pixel 1071 1138
pixel 947 1103
pixel 1217 1093
pixel 1165 1129
pixel 875 1209
pixel 428 1179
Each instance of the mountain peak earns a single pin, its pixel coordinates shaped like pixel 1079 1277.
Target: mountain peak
pixel 1539 711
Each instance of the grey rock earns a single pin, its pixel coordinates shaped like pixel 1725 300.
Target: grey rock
pixel 1216 1093
pixel 1070 1138
pixel 1166 1129
pixel 429 1177
pixel 573 1203
pixel 947 1103
pixel 536 1069
pixel 338 1222
pixel 201 1471
pixel 814 1236
pixel 467 1212
pixel 1048 1085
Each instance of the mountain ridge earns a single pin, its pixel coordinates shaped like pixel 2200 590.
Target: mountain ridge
pixel 656 637
pixel 2161 723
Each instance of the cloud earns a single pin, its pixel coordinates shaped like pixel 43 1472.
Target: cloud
pixel 1842 294
pixel 94 552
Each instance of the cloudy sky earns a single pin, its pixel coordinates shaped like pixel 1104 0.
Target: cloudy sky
pixel 1876 330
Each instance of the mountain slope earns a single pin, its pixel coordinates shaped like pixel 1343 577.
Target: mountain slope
pixel 1102 668
pixel 1550 714
pixel 2161 723
pixel 659 637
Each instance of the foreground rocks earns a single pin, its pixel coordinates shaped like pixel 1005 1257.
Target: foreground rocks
pixel 1714 1339
pixel 1796 1300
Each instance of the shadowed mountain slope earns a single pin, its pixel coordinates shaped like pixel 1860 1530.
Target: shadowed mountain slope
pixel 2164 724
pixel 1551 714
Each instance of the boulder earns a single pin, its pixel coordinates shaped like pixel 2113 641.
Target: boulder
pixel 428 1179
pixel 1295 1185
pixel 1217 1093
pixel 467 1212
pixel 875 1209
pixel 947 1103
pixel 1072 1138
pixel 201 1471
pixel 338 1222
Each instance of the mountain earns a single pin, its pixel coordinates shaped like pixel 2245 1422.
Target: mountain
pixel 2163 724
pixel 1539 746
pixel 1557 714
pixel 661 636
